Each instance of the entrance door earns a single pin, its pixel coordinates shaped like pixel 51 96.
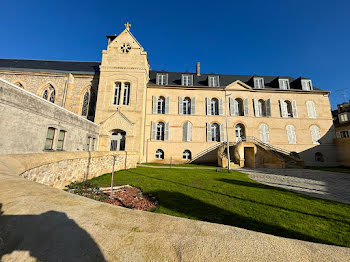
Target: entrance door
pixel 239 132
pixel 118 140
pixel 249 157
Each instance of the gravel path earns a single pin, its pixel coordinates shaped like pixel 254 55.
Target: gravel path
pixel 323 184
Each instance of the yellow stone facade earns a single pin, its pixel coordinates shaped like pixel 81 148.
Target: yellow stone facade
pixel 125 61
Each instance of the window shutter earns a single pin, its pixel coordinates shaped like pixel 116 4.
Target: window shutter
pixel 304 85
pixel 308 109
pixel 193 106
pixel 166 79
pixel 191 80
pixel 256 107
pixel 166 132
pixel 182 80
pixel 338 135
pixel 181 103
pixel 222 133
pixel 262 134
pixel 268 107
pixel 167 105
pixel 314 110
pixel 283 106
pixel 153 131
pixel 294 108
pixel 207 100
pixel 231 106
pixel 189 132
pixel 256 83
pixel 157 79
pixel 184 132
pixel 221 107
pixel 154 104
pixel 208 133
pixel 245 107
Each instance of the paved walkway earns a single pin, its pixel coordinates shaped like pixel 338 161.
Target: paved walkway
pixel 323 184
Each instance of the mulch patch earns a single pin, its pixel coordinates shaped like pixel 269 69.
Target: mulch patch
pixel 130 197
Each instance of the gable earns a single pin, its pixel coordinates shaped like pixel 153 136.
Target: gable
pixel 238 85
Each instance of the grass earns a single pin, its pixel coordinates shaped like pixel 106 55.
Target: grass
pixel 234 199
pixel 183 165
pixel 340 169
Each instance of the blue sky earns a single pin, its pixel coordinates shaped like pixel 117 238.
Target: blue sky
pixel 296 38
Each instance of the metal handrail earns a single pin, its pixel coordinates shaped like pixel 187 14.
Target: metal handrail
pixel 205 151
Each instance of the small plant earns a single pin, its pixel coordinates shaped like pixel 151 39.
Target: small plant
pixel 87 189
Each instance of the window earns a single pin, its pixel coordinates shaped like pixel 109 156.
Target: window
pixel 88 143
pixel 126 98
pixel 319 157
pixel 159 154
pixel 240 132
pixel 49 138
pixel 187 80
pixel 213 81
pixel 344 133
pixel 93 144
pixel 60 140
pixel 215 134
pixel 315 134
pixel 236 107
pixel 187 132
pixel 160 131
pixel 187 106
pixel 261 108
pixel 258 82
pixel 284 84
pixel 286 108
pixel 19 85
pixel 117 138
pixel 117 90
pixel 214 106
pixel 52 95
pixel 292 138
pixel 344 117
pixel 49 93
pixel 311 109
pixel 46 94
pixel 186 155
pixel 161 105
pixel 264 133
pixel 162 79
pixel 85 107
pixel 306 84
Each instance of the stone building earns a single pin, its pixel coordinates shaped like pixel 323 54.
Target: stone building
pixel 272 121
pixel 341 118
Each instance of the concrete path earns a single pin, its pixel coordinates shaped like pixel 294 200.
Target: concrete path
pixel 40 223
pixel 323 184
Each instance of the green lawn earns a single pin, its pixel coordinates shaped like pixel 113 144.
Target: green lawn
pixel 234 199
pixel 208 165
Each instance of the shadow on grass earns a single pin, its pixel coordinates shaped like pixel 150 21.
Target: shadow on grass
pixel 259 186
pixel 197 209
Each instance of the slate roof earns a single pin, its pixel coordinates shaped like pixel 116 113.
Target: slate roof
pixel 174 78
pixel 50 66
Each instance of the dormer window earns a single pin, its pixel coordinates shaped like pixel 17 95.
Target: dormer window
pixel 187 80
pixel 259 82
pixel 162 79
pixel 306 84
pixel 213 81
pixel 284 84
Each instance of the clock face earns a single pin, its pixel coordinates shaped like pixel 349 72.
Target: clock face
pixel 125 48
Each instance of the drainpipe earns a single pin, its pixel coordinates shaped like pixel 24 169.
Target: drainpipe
pixel 65 92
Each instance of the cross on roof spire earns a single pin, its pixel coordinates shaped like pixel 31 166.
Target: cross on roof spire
pixel 127 26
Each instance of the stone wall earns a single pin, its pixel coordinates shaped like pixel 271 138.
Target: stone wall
pixel 25 119
pixel 58 169
pixel 343 150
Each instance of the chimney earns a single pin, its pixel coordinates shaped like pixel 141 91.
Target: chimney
pixel 198 69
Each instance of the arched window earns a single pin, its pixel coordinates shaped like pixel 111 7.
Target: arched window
pixel 19 85
pixel 161 105
pixel 117 91
pixel 186 155
pixel 240 132
pixel 46 94
pixel 126 98
pixel 315 134
pixel 261 108
pixel 187 132
pixel 160 131
pixel 52 95
pixel 215 134
pixel 236 107
pixel 311 109
pixel 159 154
pixel 85 107
pixel 264 133
pixel 292 138
pixel 214 105
pixel 117 140
pixel 319 157
pixel 187 106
